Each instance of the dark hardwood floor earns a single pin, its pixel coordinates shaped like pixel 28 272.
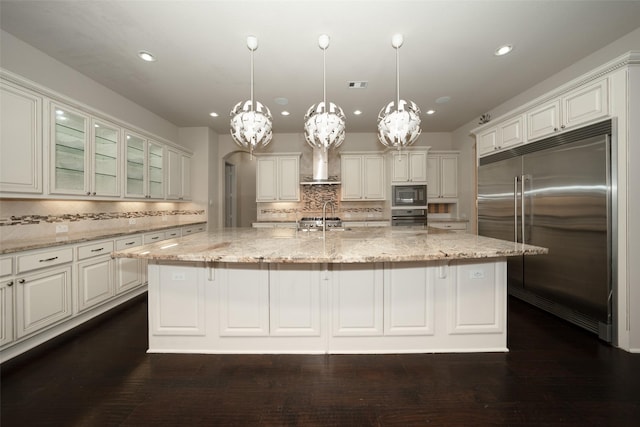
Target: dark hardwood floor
pixel 555 374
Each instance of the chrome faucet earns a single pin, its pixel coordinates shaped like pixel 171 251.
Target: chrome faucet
pixel 324 213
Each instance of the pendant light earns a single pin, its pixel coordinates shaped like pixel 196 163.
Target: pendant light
pixel 251 121
pixel 399 121
pixel 324 125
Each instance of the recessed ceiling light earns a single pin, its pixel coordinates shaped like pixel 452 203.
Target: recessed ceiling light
pixel 285 113
pixel 357 112
pixel 430 112
pixel 443 100
pixel 503 50
pixel 213 114
pixel 281 101
pixel 146 56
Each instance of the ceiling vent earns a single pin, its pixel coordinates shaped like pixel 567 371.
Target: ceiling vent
pixel 357 85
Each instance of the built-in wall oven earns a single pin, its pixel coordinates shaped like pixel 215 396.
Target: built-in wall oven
pixel 409 217
pixel 409 195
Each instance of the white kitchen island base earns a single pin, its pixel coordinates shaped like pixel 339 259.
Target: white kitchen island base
pixel 383 307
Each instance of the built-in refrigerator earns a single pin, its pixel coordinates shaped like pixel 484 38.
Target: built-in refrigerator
pixel 557 193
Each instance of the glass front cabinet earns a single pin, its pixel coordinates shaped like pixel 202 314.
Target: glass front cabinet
pixel 84 154
pixel 144 168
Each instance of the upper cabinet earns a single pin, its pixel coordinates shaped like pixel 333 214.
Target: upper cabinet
pixel 84 154
pixel 363 176
pixel 579 106
pixel 442 181
pixel 575 107
pixel 144 168
pixel 278 178
pixel 178 175
pixel 20 140
pixel 504 135
pixel 409 166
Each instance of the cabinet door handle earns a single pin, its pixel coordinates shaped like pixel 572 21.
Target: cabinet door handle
pixel 21 281
pixel 48 259
pixel 97 250
pixel 129 243
pixel 154 238
pixel 10 283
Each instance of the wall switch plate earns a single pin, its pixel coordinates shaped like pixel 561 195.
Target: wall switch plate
pixel 132 221
pixel 62 228
pixel 178 276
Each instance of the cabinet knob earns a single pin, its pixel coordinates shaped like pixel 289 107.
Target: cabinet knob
pixel 88 193
pixel 94 193
pixel 562 127
pixel 555 129
pixel 21 281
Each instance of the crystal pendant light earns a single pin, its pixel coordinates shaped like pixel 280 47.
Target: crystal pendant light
pixel 398 121
pixel 324 122
pixel 251 121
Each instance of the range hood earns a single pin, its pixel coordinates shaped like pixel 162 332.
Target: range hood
pixel 320 170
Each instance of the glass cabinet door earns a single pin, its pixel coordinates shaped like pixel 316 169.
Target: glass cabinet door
pixel 105 177
pixel 70 151
pixel 156 172
pixel 135 156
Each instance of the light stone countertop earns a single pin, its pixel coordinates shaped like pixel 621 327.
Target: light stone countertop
pixel 12 246
pixel 283 245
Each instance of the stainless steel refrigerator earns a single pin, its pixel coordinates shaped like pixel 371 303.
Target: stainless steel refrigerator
pixel 556 193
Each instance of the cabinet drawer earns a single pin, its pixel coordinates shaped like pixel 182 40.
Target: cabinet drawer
pixel 6 266
pixel 44 259
pixel 172 234
pixel 130 242
pixel 95 249
pixel 449 225
pixel 194 229
pixel 153 237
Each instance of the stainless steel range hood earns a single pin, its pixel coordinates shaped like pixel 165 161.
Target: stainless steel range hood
pixel 320 170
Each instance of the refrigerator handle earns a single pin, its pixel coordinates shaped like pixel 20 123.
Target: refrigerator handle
pixel 515 208
pixel 523 180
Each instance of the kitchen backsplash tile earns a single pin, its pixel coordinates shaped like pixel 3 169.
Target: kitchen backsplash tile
pixel 32 218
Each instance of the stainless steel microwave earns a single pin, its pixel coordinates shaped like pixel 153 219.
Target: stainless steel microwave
pixel 409 195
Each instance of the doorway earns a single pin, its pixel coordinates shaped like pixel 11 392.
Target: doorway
pixel 240 208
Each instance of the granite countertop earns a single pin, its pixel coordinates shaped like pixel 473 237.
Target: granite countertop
pixel 11 246
pixel 283 245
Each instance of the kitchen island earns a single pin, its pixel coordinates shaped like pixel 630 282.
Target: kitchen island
pixel 382 290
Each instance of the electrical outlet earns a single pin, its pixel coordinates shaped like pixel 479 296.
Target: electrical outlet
pixel 369 215
pixel 62 228
pixel 132 221
pixel 476 274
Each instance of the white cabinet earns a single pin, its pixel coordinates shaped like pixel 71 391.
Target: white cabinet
pixel 178 175
pixel 20 140
pixel 363 176
pixel 409 166
pixel 357 301
pixel 409 299
pixel 244 299
pixel 130 272
pixel 278 178
pixel 294 300
pixel 192 229
pixel 504 135
pixel 360 224
pixel 177 302
pixel 69 151
pixel 6 310
pixel 95 274
pixel 442 180
pixel 144 168
pixel 84 154
pixel 42 299
pixel 581 105
pixel 455 226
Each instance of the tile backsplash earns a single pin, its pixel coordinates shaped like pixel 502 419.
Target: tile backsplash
pixel 37 218
pixel 312 199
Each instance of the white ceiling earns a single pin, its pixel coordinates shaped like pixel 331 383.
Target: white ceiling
pixel 203 62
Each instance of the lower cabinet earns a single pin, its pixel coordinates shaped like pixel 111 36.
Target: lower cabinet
pixel 6 310
pixel 95 281
pixel 42 299
pixel 130 272
pixel 390 307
